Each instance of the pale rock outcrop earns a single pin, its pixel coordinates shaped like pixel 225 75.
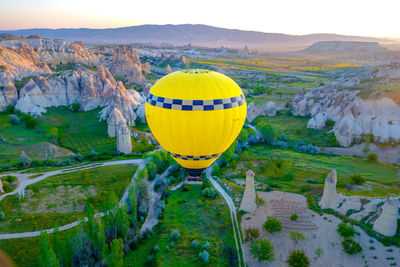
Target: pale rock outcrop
pixel 318 121
pixel 126 63
pixel 141 113
pixel 249 198
pixel 147 88
pixel 185 61
pixel 8 95
pixel 113 121
pixel 391 71
pixel 126 101
pixel 386 224
pixel 168 69
pixel 265 109
pixel 146 67
pixel 353 115
pixel 124 141
pixel 330 199
pixel 1 187
pixel 89 89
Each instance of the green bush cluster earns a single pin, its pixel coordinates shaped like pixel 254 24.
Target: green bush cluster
pixel 262 250
pixel 298 258
pixel 272 225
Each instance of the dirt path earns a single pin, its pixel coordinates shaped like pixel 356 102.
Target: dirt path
pixel 232 208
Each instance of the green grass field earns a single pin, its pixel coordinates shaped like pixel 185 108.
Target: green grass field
pixel 65 196
pixel 309 171
pixel 196 218
pixel 295 128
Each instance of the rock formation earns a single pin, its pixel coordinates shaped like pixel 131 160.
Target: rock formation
pixel 141 113
pixel 146 67
pixel 390 71
pixel 124 141
pixel 45 150
pixel 126 101
pixel 113 121
pixel 89 89
pixel 185 61
pixel 386 224
pixel 345 46
pixel 330 198
pixel 8 95
pixel 353 115
pixel 1 187
pixel 168 69
pixel 126 63
pixel 264 109
pixel 249 198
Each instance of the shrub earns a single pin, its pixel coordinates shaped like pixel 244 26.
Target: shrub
pixel 78 157
pixel 251 234
pixel 297 236
pixel 195 244
pixel 372 157
pixel 207 246
pixel 262 250
pixel 24 159
pixel 310 149
pixel 156 249
pixel 204 256
pixel 2 216
pixel 345 230
pixel 10 178
pixel 152 169
pixel 319 252
pixel 329 123
pixel 272 225
pixel 253 139
pixel 280 144
pixel 351 247
pixel 294 217
pixel 93 153
pixel 298 258
pixel 174 235
pixel 75 107
pixel 30 122
pixel 283 137
pixel 357 179
pixel 6 187
pixel 267 132
pixel 209 193
pixel 15 120
pixel 288 176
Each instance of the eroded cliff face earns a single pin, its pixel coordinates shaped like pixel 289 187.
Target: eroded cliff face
pixel 353 115
pixel 31 58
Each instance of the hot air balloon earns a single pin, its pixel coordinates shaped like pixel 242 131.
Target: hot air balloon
pixel 195 115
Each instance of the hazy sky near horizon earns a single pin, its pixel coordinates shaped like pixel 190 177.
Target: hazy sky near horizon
pixel 351 17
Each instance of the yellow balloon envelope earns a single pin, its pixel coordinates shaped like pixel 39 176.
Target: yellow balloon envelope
pixel 195 115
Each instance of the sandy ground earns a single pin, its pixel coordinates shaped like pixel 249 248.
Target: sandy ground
pixel 320 232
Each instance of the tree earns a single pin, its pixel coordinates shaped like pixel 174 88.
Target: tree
pixel 366 145
pixel 100 243
pixel 58 245
pixel 75 107
pixel 25 159
pixel 357 179
pixel 30 122
pixel 47 256
pixel 351 247
pixel 152 170
pixel 251 234
pixel 243 136
pixel 372 157
pixel 204 256
pixel 116 256
pixel 267 132
pixel 345 230
pixel 53 134
pixel 294 217
pixel 298 258
pixel 262 250
pixel 272 225
pixel 132 206
pixel 228 155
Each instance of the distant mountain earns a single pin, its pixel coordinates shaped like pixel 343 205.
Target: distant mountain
pixel 200 35
pixel 345 46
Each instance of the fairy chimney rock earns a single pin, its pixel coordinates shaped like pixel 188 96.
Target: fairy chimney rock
pixel 124 141
pixel 386 224
pixel 330 198
pixel 113 122
pixel 249 198
pixel 1 187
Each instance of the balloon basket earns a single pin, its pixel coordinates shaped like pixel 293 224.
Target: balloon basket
pixel 194 180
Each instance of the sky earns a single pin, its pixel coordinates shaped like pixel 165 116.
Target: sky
pixel 379 18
